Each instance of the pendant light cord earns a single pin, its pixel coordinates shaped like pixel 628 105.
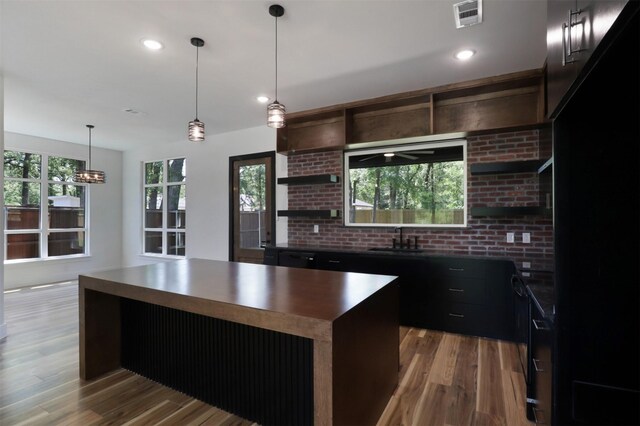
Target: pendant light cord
pixel 197 62
pixel 89 148
pixel 276 59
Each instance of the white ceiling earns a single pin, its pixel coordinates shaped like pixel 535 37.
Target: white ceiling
pixel 71 63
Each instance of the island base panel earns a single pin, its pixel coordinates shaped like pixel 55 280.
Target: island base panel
pixel 258 374
pixel 99 333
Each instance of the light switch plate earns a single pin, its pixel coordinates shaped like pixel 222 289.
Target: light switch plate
pixel 510 237
pixel 526 237
pixel 526 265
pixel 316 229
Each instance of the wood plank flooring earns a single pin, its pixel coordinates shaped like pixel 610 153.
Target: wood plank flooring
pixel 445 379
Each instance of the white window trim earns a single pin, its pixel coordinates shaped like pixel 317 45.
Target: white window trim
pixel 412 144
pixel 165 229
pixel 43 230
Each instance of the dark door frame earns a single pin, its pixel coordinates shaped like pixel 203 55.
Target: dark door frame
pixel 265 154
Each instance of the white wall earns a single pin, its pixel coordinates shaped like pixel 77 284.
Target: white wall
pixel 207 191
pixel 3 325
pixel 105 203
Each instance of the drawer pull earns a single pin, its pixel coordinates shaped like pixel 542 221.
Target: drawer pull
pixel 539 325
pixel 538 420
pixel 456 269
pixel 535 365
pixel 333 261
pixel 456 315
pixel 457 290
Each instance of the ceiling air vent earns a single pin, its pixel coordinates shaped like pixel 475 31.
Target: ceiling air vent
pixel 468 13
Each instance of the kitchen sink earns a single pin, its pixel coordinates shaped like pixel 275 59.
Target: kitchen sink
pixel 396 250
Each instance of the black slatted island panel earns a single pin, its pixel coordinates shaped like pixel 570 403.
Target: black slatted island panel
pixel 261 375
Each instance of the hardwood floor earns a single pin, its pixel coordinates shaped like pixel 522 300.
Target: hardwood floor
pixel 444 378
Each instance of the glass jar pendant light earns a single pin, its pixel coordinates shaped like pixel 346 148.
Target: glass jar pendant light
pixel 87 175
pixel 275 110
pixel 196 127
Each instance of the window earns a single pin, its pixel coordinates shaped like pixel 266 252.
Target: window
pixel 164 222
pixel 418 185
pixel 34 232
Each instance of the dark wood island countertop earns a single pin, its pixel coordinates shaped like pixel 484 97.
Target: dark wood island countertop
pixel 334 309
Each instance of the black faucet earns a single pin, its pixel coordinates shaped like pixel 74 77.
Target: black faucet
pixel 396 230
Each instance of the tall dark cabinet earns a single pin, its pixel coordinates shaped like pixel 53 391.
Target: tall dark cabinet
pixel 596 136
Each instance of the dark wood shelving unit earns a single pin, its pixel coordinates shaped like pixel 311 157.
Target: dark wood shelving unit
pixel 505 102
pixel 510 211
pixel 325 214
pixel 309 180
pixel 505 167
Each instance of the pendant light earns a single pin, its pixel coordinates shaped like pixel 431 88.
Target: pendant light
pixel 196 127
pixel 87 175
pixel 275 110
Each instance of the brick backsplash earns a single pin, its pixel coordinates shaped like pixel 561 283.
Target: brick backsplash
pixel 484 236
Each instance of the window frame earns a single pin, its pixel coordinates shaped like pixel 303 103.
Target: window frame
pixel 43 229
pixel 409 144
pixel 165 230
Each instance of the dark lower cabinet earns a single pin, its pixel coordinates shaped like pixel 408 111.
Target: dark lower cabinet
pixel 540 388
pixel 456 294
pixel 470 296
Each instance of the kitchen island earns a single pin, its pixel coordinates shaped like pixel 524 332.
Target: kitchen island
pixel 275 345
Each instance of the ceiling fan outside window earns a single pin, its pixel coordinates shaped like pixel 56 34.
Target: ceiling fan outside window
pixel 404 154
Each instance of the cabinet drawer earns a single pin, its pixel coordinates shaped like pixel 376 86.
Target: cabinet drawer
pixel 472 319
pixel 462 290
pixel 464 318
pixel 454 267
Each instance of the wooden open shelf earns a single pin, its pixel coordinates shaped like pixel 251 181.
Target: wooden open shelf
pixel 309 180
pixel 527 166
pixel 497 103
pixel 510 211
pixel 326 214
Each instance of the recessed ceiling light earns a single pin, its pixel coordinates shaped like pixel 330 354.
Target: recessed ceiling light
pixel 152 44
pixel 262 99
pixel 463 55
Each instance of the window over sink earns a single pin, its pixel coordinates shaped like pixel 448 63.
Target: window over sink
pixel 421 185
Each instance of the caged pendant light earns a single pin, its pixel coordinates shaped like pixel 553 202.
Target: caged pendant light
pixel 87 175
pixel 196 127
pixel 275 110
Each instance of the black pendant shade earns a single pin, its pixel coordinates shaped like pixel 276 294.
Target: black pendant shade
pixel 88 175
pixel 275 110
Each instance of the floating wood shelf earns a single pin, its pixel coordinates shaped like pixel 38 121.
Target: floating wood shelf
pixel 507 167
pixel 510 211
pixel 309 213
pixel 309 180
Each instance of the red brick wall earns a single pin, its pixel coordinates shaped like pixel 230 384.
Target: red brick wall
pixel 484 236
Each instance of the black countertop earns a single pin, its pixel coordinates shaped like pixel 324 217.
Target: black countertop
pixel 422 252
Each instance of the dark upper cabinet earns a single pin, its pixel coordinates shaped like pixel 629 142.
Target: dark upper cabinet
pixel 575 29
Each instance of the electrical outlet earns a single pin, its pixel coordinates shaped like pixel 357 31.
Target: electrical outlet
pixel 526 265
pixel 316 229
pixel 510 237
pixel 526 238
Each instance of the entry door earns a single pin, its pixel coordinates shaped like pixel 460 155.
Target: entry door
pixel 252 201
